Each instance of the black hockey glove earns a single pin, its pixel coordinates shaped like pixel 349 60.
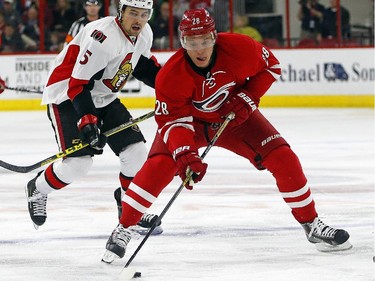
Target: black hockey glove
pixel 90 132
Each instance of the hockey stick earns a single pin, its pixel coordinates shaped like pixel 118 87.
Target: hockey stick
pixel 33 91
pixel 229 117
pixel 70 150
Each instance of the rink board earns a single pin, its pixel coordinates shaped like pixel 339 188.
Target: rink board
pixel 342 77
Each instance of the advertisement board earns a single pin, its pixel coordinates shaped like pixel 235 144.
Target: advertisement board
pixel 310 77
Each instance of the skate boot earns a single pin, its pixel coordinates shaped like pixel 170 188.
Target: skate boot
pixel 144 223
pixel 117 242
pixel 37 203
pixel 326 238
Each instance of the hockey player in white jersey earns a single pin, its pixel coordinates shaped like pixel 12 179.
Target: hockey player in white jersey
pixel 82 102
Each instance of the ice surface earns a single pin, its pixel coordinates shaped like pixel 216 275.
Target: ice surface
pixel 234 225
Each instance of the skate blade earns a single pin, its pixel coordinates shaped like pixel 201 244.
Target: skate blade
pixel 143 231
pixel 324 247
pixel 109 257
pixel 36 226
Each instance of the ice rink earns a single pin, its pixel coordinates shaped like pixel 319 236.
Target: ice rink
pixel 234 225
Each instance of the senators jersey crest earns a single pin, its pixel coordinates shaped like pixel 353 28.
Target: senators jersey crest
pixel 121 76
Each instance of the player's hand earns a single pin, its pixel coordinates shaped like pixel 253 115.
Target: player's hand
pixel 186 160
pixel 241 104
pixel 90 132
pixel 2 85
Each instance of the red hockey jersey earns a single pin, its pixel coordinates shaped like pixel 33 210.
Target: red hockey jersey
pixel 185 93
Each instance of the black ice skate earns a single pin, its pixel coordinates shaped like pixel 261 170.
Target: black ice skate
pixel 116 244
pixel 146 220
pixel 326 238
pixel 37 203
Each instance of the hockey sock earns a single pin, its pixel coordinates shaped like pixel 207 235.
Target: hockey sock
pixel 52 179
pixel 155 175
pixel 284 165
pixel 125 181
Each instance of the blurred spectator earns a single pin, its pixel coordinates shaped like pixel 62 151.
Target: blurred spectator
pixel 10 40
pixel 197 4
pixel 29 30
pixel 179 7
pixel 63 16
pixel 241 25
pixel 2 22
pixel 54 43
pixel 310 14
pixel 160 28
pixel 11 15
pixel 47 17
pixel 330 21
pixel 92 8
pixel 113 7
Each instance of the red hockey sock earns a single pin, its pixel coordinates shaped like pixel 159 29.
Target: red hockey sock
pixel 125 181
pixel 284 165
pixel 154 176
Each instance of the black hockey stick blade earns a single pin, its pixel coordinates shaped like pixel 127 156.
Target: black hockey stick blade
pixel 70 150
pixel 229 118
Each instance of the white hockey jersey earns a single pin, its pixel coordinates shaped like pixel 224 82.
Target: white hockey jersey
pixel 102 53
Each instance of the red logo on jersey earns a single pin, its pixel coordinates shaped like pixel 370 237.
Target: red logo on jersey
pixel 98 36
pixel 121 76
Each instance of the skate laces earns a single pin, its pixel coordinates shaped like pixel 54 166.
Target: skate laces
pixel 319 228
pixel 123 235
pixel 39 203
pixel 148 218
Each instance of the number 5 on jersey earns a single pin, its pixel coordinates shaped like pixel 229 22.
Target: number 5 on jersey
pixel 85 57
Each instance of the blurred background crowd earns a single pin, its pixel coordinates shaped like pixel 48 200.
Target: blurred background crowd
pixel 48 25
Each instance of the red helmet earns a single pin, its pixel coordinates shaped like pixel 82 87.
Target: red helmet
pixel 196 22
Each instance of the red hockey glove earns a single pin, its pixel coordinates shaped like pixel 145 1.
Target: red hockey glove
pixel 241 104
pixel 190 159
pixel 2 85
pixel 90 132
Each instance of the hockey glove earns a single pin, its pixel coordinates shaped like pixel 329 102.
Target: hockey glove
pixel 90 132
pixel 2 85
pixel 190 159
pixel 241 104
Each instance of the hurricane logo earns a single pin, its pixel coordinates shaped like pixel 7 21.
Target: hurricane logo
pixel 215 100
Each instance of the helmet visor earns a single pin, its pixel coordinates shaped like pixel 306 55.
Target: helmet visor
pixel 198 42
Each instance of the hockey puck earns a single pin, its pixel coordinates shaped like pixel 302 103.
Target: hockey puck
pixel 129 273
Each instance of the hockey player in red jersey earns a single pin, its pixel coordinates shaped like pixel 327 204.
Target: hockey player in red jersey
pixel 82 102
pixel 211 76
pixel 2 86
